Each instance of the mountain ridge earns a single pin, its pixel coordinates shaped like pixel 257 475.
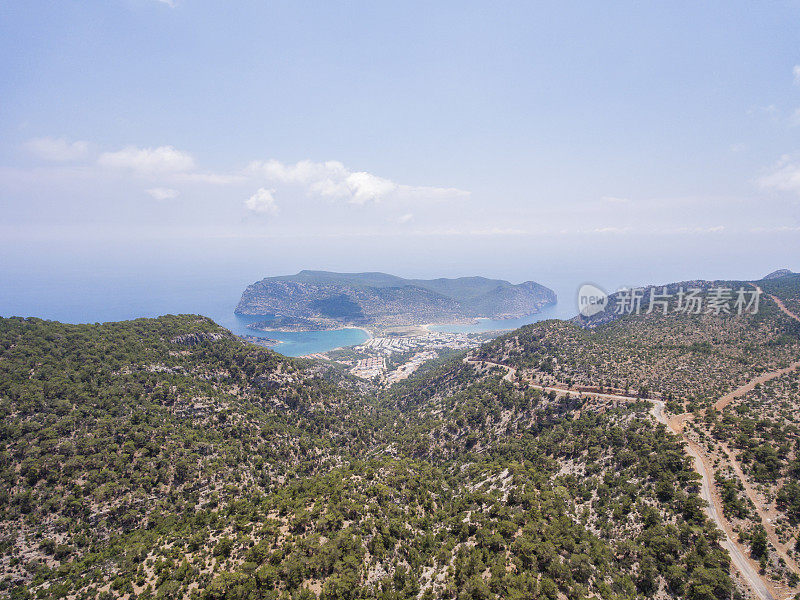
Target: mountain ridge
pixel 331 298
pixel 778 274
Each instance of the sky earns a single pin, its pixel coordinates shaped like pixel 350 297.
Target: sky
pixel 619 141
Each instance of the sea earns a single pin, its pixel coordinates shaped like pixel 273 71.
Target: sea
pixel 97 297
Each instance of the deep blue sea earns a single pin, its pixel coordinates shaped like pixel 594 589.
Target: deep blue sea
pixel 96 297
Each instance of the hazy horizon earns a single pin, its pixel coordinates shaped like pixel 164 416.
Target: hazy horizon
pixel 94 289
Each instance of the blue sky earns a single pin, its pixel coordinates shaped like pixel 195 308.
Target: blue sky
pixel 420 138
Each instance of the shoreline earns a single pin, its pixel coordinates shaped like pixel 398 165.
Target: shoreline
pixel 423 326
pixel 498 327
pixel 421 329
pixel 369 333
pixel 426 327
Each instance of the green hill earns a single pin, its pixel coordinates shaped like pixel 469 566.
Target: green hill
pixel 364 298
pixel 165 458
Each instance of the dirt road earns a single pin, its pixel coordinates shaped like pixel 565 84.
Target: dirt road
pixel 782 306
pixel 714 509
pixel 750 385
pixel 764 516
pixel 511 373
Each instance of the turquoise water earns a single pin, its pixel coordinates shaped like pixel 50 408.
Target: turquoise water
pixel 98 297
pixel 295 343
pixel 103 297
pixel 301 343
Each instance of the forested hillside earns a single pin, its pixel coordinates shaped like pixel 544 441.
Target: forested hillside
pixel 729 383
pixel 689 358
pixel 164 458
pixel 113 432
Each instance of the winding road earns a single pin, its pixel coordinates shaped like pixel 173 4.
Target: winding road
pixel 743 564
pixel 763 515
pixel 760 586
pixel 750 385
pixel 713 509
pixel 782 306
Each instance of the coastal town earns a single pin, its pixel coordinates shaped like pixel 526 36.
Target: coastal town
pixel 389 359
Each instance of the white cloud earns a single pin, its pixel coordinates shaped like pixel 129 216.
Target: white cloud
pixel 784 176
pixel 365 186
pixel 331 179
pixel 304 172
pixel 164 159
pixel 170 3
pixel 262 202
pixel 57 149
pixel 796 73
pixel 405 218
pixel 163 193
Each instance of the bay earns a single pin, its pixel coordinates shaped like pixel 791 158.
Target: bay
pixel 103 296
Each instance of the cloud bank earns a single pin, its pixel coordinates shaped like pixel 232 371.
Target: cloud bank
pixel 331 179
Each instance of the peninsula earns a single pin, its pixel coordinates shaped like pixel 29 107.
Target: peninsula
pixel 326 300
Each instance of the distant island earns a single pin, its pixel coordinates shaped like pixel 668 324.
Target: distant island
pixel 327 300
